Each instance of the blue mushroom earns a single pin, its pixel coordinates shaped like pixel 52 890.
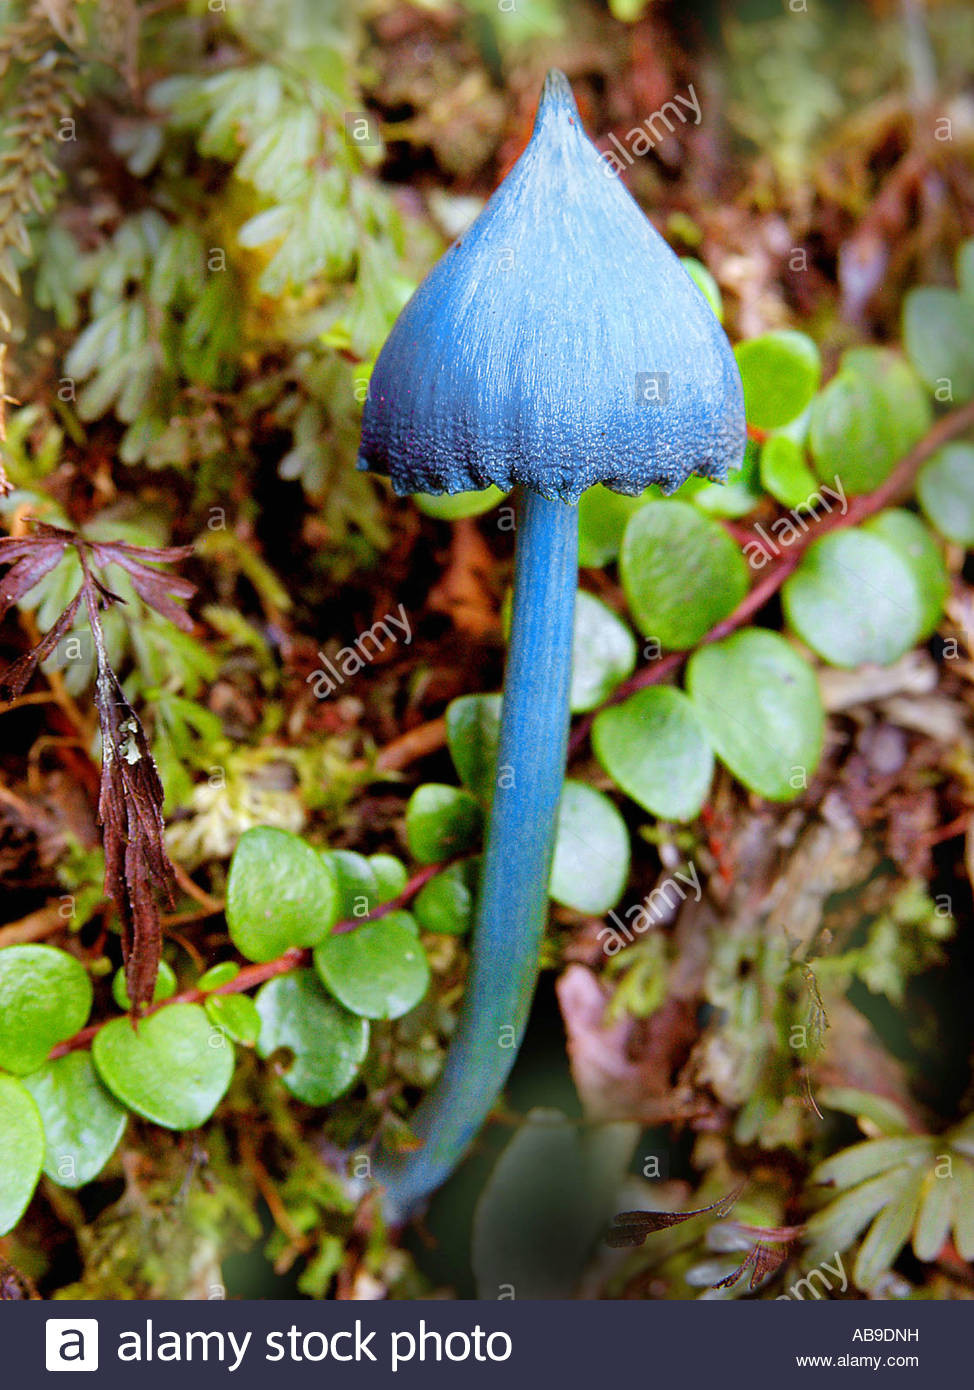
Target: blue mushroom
pixel 557 344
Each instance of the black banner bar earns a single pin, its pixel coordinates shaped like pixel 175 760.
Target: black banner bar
pixel 423 1344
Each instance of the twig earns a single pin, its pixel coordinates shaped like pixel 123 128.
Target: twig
pixel 411 746
pixel 192 890
pixel 34 927
pixel 297 1242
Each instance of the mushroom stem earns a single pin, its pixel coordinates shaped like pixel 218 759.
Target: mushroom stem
pixel 512 907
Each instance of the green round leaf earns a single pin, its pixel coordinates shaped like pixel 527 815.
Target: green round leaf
pixel 403 919
pixel 441 821
pixel 681 571
pixel 236 1015
pixel 379 970
pixel 602 518
pixel 357 883
pixel 174 1069
pixel 965 269
pixel 785 473
pixel 327 1042
pixel 165 986
pixel 21 1151
pixel 738 496
pixel 217 975
pixel 45 996
pixel 591 863
pixel 853 599
pixel 705 283
pixel 780 373
pixel 603 652
pixel 912 541
pixel 938 334
pixel 280 893
pixel 867 419
pixel 446 904
pixel 945 489
pixel 653 745
pixel 473 725
pixel 82 1121
pixel 451 507
pixel 760 704
pixel 544 1206
pixel 390 875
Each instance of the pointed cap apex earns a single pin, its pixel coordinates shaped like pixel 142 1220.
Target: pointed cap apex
pixel 557 99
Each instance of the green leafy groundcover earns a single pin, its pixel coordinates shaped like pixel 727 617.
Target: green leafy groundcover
pixel 858 594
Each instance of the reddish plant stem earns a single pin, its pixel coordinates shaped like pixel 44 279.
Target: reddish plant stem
pixel 253 975
pixel 868 504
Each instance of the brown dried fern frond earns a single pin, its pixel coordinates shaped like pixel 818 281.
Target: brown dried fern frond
pixel 138 873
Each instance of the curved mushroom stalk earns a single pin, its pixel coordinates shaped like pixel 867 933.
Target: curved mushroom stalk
pixel 513 899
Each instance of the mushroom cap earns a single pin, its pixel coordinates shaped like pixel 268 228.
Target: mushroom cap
pixel 557 343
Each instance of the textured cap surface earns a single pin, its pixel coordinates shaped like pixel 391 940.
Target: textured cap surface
pixel 558 343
